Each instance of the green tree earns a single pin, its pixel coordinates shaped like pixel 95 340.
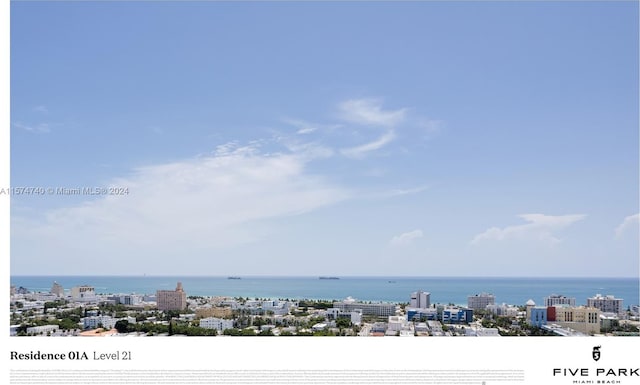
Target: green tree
pixel 172 314
pixel 67 324
pixel 122 326
pixel 343 323
pixel 259 321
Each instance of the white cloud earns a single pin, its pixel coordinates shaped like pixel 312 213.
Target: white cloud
pixel 305 127
pixel 309 150
pixel 392 193
pixel 363 149
pixel 540 227
pixel 304 149
pixel 226 148
pixel 628 222
pixel 224 200
pixel 195 206
pixel 370 112
pixel 306 130
pixel 415 190
pixel 406 238
pixel 41 109
pixel 367 115
pixel 40 127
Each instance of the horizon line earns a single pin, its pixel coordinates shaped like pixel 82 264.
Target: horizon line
pixel 317 276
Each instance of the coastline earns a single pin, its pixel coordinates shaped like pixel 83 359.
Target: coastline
pixel 515 290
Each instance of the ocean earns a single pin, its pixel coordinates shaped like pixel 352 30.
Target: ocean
pixel 516 291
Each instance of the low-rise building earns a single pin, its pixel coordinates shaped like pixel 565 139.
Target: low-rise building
pixel 583 319
pixel 503 310
pixel 31 305
pixel 380 309
pixel 562 331
pixel 275 307
pixel 355 316
pixel 214 311
pixel 319 326
pixel 219 324
pixel 415 314
pixel 421 327
pixel 44 329
pixel 96 321
pixel 608 321
pixel 379 329
pixel 487 332
pixel 397 323
pixel 457 315
pixel 42 296
pixel 435 328
pixel 129 299
pixel 537 316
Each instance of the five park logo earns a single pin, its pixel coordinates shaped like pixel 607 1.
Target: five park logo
pixel 599 375
pixel 596 352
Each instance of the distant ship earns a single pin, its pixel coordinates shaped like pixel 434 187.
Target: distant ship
pixel 328 278
pixel 233 278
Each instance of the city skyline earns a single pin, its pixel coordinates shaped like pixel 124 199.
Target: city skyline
pixel 412 139
pixel 235 314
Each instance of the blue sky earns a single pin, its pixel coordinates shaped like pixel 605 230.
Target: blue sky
pixel 415 138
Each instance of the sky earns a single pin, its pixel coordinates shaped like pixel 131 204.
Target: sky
pixel 325 138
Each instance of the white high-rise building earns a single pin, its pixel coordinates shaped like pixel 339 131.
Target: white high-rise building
pixel 606 304
pixel 556 299
pixel 83 293
pixel 420 300
pixel 57 289
pixel 480 301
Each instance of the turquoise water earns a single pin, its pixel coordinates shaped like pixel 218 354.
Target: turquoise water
pixel 393 289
